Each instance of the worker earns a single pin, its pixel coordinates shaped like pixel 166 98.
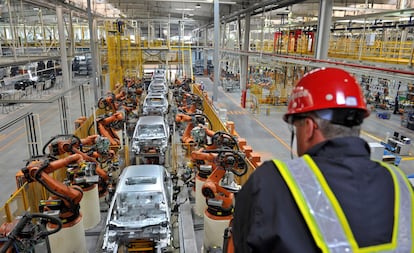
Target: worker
pixel 333 197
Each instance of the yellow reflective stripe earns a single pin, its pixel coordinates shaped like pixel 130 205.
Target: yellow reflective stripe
pixel 311 220
pixel 302 204
pixel 377 248
pixel 397 200
pixel 336 206
pixel 409 185
pixel 397 203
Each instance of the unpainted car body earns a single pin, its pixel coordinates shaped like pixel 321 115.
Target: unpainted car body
pixel 146 80
pixel 140 210
pixel 158 86
pixel 151 137
pixel 155 104
pixel 159 74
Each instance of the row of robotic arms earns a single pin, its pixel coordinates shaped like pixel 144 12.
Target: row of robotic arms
pixel 87 162
pixel 92 161
pixel 215 155
pixel 122 107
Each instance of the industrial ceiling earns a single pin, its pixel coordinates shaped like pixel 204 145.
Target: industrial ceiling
pixel 193 13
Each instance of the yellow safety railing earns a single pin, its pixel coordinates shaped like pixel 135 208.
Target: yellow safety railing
pixel 16 205
pixel 357 48
pixel 26 197
pixel 218 125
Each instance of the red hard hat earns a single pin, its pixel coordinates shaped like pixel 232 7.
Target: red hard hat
pixel 326 88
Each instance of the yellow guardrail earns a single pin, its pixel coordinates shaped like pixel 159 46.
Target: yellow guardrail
pixel 218 125
pixel 28 195
pixel 363 49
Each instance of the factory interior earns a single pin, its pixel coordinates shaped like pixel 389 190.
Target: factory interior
pixel 129 126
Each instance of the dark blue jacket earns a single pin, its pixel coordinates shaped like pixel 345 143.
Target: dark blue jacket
pixel 267 219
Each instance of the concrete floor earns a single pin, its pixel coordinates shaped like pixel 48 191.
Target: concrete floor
pixel 265 131
pixel 268 134
pixel 14 150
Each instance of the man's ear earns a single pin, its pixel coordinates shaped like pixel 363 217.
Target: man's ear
pixel 311 127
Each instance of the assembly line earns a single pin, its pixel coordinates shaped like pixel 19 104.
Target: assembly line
pixel 206 126
pixel 264 131
pixel 93 169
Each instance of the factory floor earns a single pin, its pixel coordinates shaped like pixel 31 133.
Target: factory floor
pixel 268 134
pixel 264 130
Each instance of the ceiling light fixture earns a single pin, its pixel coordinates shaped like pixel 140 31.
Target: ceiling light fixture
pixel 229 2
pixel 184 9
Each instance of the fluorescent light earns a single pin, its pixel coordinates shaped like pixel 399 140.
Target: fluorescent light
pixel 197 1
pixel 221 2
pixel 184 9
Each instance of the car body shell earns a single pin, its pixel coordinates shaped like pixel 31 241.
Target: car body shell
pixel 159 74
pixel 158 86
pixel 140 208
pixel 151 137
pixel 155 104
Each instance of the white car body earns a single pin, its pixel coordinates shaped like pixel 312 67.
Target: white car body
pixel 158 86
pixel 155 104
pixel 151 137
pixel 140 209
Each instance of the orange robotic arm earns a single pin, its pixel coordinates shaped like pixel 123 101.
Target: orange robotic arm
pixel 191 102
pixel 220 199
pixel 90 140
pixel 180 117
pixel 117 116
pixel 103 176
pixel 72 144
pixel 92 156
pixel 221 139
pixel 200 154
pixel 121 95
pixel 63 144
pixel 212 190
pixel 70 195
pixel 107 103
pixel 186 138
pixel 193 120
pixel 105 127
pixel 101 151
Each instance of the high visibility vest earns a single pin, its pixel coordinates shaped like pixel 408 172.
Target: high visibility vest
pixel 325 217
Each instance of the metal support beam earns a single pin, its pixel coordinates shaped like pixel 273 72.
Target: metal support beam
pixel 32 124
pixel 82 100
pixel 94 77
pixel 63 52
pixel 216 50
pixel 63 109
pixel 205 54
pixel 13 30
pixel 71 49
pixel 324 29
pixel 244 59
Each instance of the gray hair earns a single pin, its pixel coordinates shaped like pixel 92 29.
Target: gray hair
pixel 330 130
